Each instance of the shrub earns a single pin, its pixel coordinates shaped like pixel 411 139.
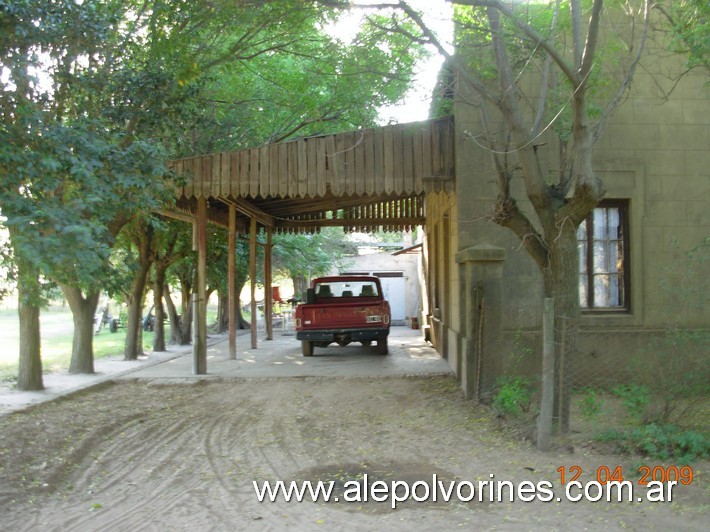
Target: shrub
pixel 591 404
pixel 513 396
pixel 635 399
pixel 672 377
pixel 661 442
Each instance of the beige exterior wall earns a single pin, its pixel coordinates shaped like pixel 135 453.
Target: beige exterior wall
pixel 442 275
pixel 655 153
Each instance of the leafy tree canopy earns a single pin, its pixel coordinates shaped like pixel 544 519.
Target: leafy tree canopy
pixel 690 29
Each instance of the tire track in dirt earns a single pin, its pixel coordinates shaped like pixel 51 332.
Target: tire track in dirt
pixel 184 457
pixel 151 477
pixel 225 439
pixel 150 451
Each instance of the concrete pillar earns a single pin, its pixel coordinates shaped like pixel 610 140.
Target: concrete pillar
pixel 481 314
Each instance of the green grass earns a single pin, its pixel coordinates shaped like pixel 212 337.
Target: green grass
pixel 56 328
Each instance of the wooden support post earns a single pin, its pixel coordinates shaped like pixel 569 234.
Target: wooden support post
pixel 232 300
pixel 252 275
pixel 268 299
pixel 544 422
pixel 199 341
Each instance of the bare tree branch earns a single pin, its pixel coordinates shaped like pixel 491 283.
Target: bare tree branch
pixel 544 82
pixel 575 8
pixel 323 118
pixel 590 47
pixel 628 78
pixel 507 214
pixel 531 33
pixel 534 184
pixel 453 61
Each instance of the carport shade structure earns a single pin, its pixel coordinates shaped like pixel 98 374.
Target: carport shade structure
pixel 359 180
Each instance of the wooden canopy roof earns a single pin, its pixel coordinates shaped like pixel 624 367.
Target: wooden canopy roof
pixel 360 180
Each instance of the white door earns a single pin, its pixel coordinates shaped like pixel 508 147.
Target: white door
pixel 393 288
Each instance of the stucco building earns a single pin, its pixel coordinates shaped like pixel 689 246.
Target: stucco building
pixel 643 253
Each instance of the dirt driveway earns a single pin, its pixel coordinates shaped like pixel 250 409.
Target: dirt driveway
pixel 140 455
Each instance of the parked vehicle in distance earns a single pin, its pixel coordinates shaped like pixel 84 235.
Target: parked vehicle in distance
pixel 343 309
pixel 104 317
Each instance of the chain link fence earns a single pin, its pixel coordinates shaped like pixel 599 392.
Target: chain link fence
pixel 607 381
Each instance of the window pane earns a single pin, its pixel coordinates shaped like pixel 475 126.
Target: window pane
pixel 582 251
pixel 583 291
pixel 606 278
pixel 613 293
pixel 600 257
pixel 600 225
pixel 613 223
pixel 612 258
pixel 620 256
pixel 601 290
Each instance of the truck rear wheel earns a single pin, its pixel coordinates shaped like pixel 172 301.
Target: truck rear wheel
pixel 382 346
pixel 307 348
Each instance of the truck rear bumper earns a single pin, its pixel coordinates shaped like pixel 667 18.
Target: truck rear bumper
pixel 343 335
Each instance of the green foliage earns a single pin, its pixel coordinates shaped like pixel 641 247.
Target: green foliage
pixel 310 255
pixel 676 370
pixel 62 220
pixel 661 442
pixel 513 396
pixel 295 81
pixel 591 404
pixel 689 21
pixel 634 398
pixel 515 392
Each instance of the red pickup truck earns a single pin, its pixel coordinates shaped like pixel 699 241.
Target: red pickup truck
pixel 343 309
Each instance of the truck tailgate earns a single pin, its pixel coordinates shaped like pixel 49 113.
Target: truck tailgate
pixel 335 316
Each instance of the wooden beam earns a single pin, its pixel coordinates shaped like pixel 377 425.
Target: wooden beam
pixel 231 273
pixel 247 208
pixel 252 275
pixel 177 216
pixel 342 222
pixel 199 341
pixel 186 211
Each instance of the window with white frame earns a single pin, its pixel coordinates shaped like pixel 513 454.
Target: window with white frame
pixel 603 257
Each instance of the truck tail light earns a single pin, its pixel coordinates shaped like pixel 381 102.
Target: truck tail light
pixel 298 323
pixel 386 319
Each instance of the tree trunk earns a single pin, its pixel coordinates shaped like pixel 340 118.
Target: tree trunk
pixel 561 282
pixel 300 285
pixel 134 326
pixel 173 317
pixel 83 311
pixel 180 324
pixel 222 312
pixel 158 290
pixel 186 323
pixel 186 315
pixel 134 331
pixel 29 376
pixel 238 287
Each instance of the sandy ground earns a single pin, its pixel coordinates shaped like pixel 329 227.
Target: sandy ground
pixel 144 455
